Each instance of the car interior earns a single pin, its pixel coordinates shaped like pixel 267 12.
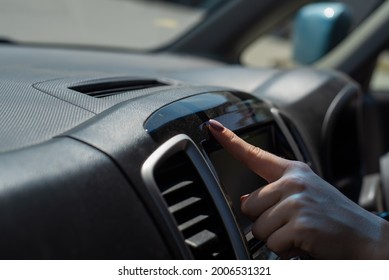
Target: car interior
pixel 106 154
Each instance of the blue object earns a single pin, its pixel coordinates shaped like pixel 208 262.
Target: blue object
pixel 318 28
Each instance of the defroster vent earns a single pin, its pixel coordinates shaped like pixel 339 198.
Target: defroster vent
pixel 111 86
pixel 192 208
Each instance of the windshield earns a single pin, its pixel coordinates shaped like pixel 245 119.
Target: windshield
pixel 131 24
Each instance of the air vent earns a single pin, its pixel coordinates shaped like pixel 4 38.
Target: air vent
pixel 192 207
pixel 107 87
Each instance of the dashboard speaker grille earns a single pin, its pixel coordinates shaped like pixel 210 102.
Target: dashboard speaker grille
pixel 192 208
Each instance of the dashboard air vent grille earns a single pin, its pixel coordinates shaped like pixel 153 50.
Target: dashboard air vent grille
pixel 191 205
pixel 107 87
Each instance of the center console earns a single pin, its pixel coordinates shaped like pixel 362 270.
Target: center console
pixel 204 211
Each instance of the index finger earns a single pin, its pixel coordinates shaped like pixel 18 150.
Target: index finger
pixel 268 166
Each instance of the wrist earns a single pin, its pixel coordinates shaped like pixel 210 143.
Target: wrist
pixel 379 249
pixel 383 246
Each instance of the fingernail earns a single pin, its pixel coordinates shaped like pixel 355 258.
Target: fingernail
pixel 216 125
pixel 244 197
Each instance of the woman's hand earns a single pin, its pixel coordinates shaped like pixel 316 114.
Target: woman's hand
pixel 299 213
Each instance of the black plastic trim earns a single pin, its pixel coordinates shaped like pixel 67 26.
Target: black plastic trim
pixel 184 143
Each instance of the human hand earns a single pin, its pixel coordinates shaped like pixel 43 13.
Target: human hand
pixel 300 213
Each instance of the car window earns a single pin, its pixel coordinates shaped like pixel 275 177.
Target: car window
pixel 380 79
pixel 275 48
pixel 134 24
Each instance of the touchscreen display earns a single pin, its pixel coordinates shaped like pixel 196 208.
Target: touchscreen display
pixel 237 179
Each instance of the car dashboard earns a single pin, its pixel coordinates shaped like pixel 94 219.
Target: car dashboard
pixel 108 155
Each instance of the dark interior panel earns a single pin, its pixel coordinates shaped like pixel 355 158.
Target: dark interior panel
pixel 78 128
pixel 66 200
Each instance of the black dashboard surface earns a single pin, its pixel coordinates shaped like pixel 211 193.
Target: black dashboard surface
pixel 91 144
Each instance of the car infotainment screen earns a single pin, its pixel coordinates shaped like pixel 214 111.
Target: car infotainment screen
pixel 237 179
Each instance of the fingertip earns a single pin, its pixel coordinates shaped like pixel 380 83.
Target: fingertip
pixel 243 205
pixel 215 125
pixel 244 197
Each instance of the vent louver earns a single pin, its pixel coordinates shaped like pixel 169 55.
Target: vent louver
pixel 191 205
pixel 107 87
